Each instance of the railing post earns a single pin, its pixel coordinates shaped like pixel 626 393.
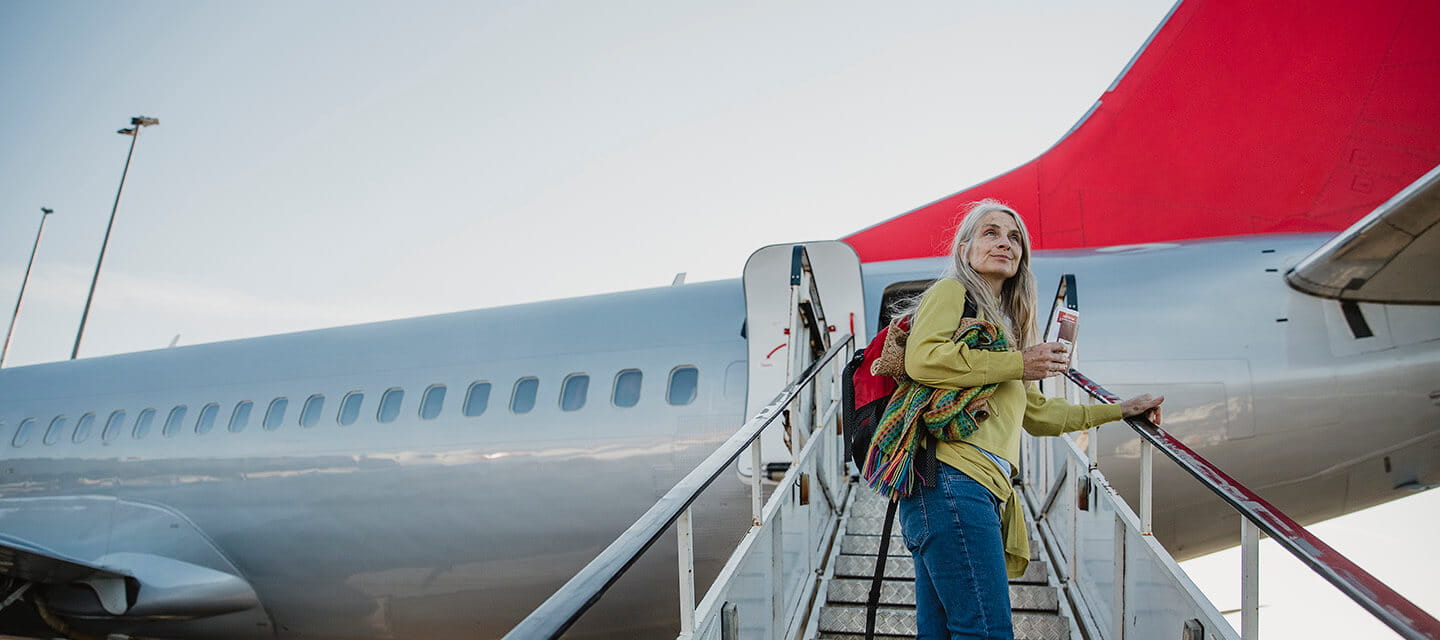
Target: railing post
pixel 1249 580
pixel 1072 565
pixel 757 495
pixel 1120 562
pixel 777 575
pixel 1147 486
pixel 686 540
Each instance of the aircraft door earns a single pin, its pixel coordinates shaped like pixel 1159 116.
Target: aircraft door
pixel 769 312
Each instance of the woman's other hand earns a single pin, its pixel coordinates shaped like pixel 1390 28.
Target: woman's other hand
pixel 1145 404
pixel 1044 360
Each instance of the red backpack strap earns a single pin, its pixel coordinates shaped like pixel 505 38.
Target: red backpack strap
pixel 868 387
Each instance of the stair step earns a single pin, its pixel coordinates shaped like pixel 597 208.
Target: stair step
pixel 859 544
pixel 902 592
pixel 858 566
pixel 848 621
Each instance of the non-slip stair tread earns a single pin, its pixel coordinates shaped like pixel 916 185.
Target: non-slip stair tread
pixel 863 566
pixel 845 621
pixel 902 592
pixel 858 544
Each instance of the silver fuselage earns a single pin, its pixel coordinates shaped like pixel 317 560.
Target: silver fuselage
pixel 458 526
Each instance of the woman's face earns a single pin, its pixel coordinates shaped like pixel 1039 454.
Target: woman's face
pixel 994 251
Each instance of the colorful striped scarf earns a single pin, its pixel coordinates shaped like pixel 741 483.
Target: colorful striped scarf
pixel 948 414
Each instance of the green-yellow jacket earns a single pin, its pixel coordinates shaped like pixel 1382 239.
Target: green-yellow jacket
pixel 932 358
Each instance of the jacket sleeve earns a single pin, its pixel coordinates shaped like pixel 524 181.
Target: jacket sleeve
pixel 1046 416
pixel 932 358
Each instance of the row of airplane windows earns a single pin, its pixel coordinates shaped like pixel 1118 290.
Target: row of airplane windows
pixel 682 388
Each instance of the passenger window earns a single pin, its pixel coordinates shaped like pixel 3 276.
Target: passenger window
pixel 83 428
pixel 172 422
pixel 432 402
pixel 113 426
pixel 390 405
pixel 52 435
pixel 142 424
pixel 682 385
pixel 350 408
pixel 477 398
pixel 523 399
pixel 573 391
pixel 627 388
pixel 22 435
pixel 275 415
pixel 240 417
pixel 206 422
pixel 310 413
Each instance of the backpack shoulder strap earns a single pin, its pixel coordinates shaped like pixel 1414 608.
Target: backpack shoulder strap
pixel 873 605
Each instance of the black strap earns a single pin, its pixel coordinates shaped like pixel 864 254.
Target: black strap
pixel 872 607
pixel 849 415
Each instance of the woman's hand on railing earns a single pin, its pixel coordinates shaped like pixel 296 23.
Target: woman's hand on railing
pixel 1145 404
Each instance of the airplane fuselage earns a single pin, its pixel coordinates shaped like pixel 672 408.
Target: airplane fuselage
pixel 426 517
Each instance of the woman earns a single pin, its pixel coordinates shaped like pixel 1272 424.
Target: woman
pixel 966 532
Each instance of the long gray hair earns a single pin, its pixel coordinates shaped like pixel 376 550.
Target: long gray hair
pixel 1015 309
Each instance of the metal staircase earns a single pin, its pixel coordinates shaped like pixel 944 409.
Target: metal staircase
pixel 1034 597
pixel 802 570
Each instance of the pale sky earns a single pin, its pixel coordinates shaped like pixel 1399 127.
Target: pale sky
pixel 326 163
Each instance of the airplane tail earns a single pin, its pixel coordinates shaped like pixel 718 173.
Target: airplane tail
pixel 1233 119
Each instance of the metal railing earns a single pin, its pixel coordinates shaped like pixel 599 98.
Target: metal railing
pixel 1391 608
pixel 815 459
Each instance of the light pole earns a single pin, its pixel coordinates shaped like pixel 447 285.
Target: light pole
pixel 9 333
pixel 133 131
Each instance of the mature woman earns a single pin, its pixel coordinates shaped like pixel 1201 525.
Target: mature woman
pixel 966 532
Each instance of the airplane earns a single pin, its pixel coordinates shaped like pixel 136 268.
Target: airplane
pixel 440 476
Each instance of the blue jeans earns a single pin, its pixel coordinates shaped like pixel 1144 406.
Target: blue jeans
pixel 953 532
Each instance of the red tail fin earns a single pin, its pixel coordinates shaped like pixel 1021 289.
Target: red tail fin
pixel 1236 118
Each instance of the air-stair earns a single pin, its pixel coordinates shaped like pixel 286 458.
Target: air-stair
pixel 803 570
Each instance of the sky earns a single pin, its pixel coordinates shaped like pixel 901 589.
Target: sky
pixel 321 163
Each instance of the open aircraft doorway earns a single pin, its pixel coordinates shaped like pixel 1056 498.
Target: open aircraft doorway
pixel 770 282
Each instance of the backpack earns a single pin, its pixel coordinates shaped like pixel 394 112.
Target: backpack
pixel 863 399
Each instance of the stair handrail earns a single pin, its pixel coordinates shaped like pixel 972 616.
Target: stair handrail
pixel 1391 608
pixel 554 616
